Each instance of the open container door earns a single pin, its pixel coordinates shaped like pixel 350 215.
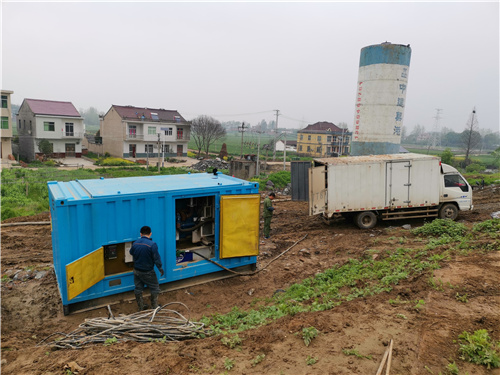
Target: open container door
pixel 239 232
pixel 317 190
pixel 84 272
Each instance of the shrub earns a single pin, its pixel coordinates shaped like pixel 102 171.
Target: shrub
pixel 474 168
pixel 191 154
pixel 113 162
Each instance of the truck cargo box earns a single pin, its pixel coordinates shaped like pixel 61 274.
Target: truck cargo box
pixel 375 182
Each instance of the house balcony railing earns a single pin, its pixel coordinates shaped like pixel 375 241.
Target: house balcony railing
pixel 183 138
pixel 66 134
pixel 134 136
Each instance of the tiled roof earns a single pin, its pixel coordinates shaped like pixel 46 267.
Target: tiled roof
pixel 130 112
pixel 322 126
pixel 50 107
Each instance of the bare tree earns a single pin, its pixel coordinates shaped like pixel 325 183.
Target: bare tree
pixel 470 136
pixel 205 130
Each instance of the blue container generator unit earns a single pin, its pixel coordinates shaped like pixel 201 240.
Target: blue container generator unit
pixel 201 222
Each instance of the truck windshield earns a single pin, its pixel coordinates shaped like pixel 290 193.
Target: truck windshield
pixel 455 180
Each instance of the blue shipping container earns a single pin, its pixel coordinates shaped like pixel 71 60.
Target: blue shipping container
pixel 192 217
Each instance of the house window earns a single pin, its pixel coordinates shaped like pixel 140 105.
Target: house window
pixel 300 148
pixel 319 138
pixel 180 133
pixel 328 150
pixel 154 116
pixel 301 137
pixel 177 118
pixel 318 149
pixel 19 124
pixel 166 149
pixel 5 122
pixel 132 129
pixel 30 126
pixel 308 137
pixel 308 148
pixel 329 138
pixel 152 130
pixel 148 149
pixel 69 129
pixel 47 126
pixel 168 131
pixel 4 101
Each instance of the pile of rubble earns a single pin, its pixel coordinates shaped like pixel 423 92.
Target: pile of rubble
pixel 205 164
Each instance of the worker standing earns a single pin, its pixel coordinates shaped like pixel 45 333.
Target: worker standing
pixel 146 256
pixel 268 214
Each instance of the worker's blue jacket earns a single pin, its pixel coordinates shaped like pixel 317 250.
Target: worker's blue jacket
pixel 145 254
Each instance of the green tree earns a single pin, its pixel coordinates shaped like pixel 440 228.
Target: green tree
pixel 447 156
pixel 45 147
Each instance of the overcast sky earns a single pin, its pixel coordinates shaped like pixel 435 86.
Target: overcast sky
pixel 241 61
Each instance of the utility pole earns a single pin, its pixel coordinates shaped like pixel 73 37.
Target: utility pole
pixel 242 130
pixel 257 170
pixel 275 133
pixel 435 138
pixel 284 152
pixel 159 153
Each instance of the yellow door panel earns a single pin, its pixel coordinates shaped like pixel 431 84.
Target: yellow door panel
pixel 239 233
pixel 85 272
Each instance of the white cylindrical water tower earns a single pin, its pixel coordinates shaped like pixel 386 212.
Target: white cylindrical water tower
pixel 380 99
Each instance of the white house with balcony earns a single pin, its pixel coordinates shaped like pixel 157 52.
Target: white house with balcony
pixel 58 122
pixel 135 132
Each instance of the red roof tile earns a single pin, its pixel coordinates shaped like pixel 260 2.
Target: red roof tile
pixel 50 107
pixel 131 112
pixel 322 126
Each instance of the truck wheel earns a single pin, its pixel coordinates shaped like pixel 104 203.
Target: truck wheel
pixel 448 211
pixel 366 220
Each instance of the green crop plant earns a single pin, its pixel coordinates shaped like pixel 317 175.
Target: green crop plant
pixel 462 298
pixel 479 348
pixel 308 334
pixel 452 368
pixel 311 360
pixel 258 359
pixel 355 353
pixel 419 304
pixel 489 226
pixel 229 363
pixel 232 342
pixel 401 316
pixel 110 341
pixel 436 284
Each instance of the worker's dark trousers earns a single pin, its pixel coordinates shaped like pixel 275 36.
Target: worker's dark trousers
pixel 146 278
pixel 267 226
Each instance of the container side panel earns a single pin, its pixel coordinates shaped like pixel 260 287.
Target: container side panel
pixel 355 187
pixel 239 225
pixel 317 190
pixel 397 185
pixel 85 272
pixel 425 181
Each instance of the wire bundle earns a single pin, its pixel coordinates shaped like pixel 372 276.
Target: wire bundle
pixel 158 325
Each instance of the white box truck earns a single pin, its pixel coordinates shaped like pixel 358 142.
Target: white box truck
pixel 386 187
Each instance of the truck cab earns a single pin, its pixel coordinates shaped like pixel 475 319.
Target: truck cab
pixel 455 193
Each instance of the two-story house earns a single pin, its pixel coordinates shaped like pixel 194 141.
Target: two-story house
pixel 58 122
pixel 134 132
pixel 6 128
pixel 323 139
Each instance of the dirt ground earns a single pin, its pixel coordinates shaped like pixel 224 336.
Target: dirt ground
pixel 423 343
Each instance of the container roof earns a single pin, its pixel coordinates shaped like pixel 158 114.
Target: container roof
pixel 100 188
pixel 374 158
